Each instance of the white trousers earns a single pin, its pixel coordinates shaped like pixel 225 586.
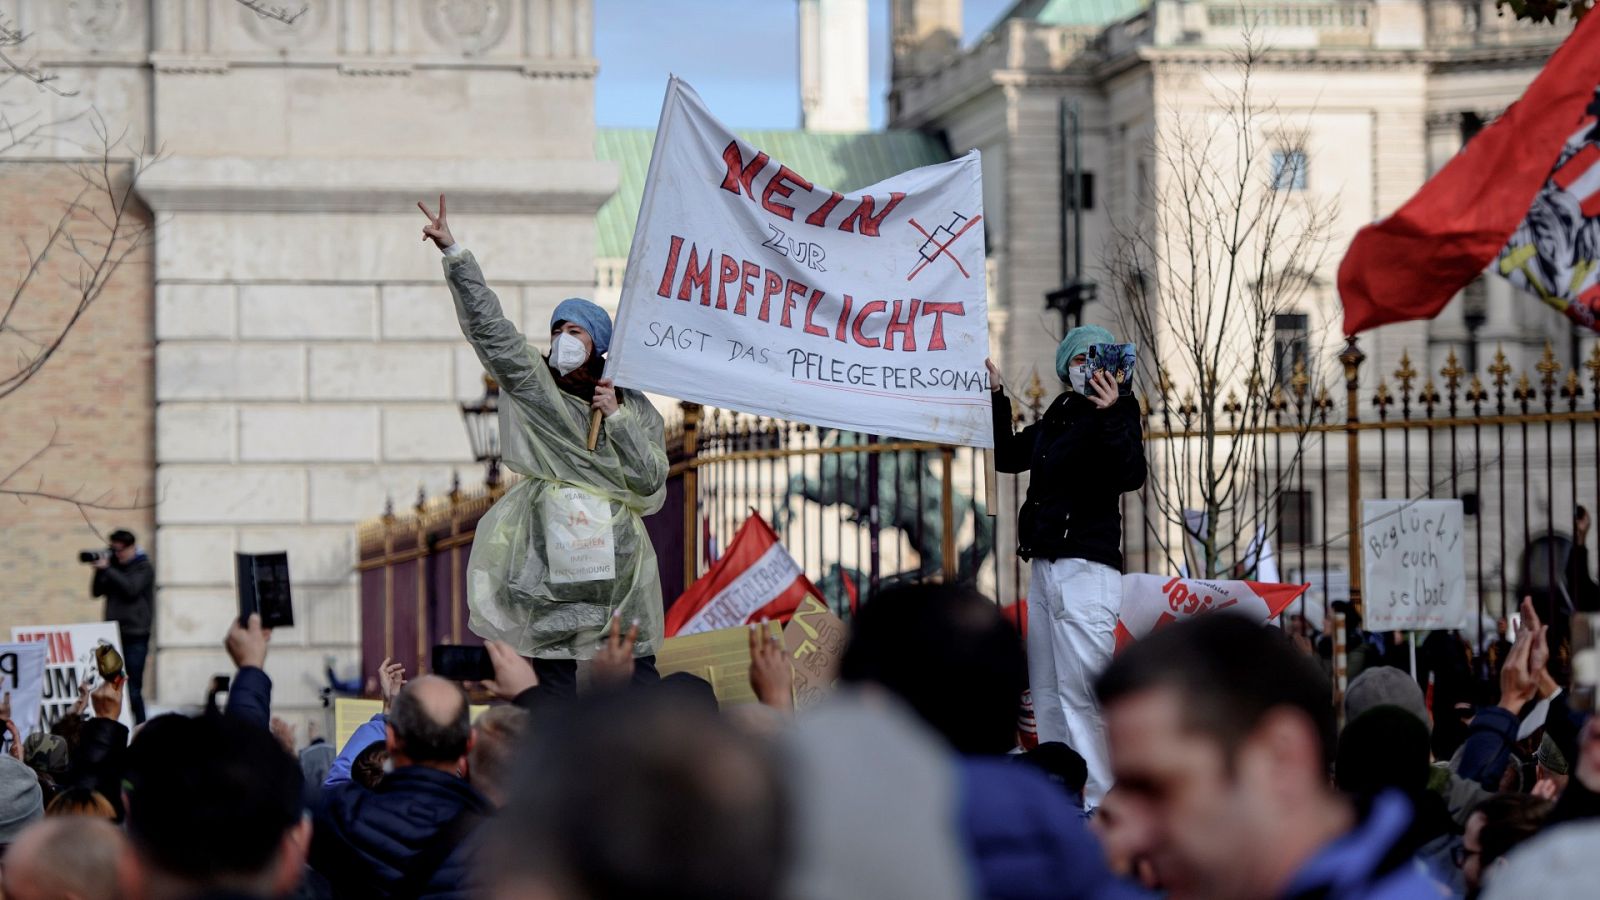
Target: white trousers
pixel 1072 612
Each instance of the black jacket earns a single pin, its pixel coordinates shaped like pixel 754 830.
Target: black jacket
pixel 1083 460
pixel 130 594
pixel 411 836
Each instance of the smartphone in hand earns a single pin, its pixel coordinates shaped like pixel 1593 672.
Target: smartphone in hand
pixel 263 587
pixel 460 662
pixel 1117 361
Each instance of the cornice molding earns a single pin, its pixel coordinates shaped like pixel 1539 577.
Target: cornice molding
pixel 235 184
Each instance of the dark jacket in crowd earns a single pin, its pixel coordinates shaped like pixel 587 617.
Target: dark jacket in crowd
pixel 1083 460
pixel 1026 840
pixel 130 594
pixel 407 837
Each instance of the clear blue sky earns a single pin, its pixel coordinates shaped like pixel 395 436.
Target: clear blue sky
pixel 741 56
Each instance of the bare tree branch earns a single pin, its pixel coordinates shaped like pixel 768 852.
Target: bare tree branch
pixel 273 11
pixel 1216 250
pixel 12 38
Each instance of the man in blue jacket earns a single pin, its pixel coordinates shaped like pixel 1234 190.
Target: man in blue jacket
pixel 1221 734
pixel 406 837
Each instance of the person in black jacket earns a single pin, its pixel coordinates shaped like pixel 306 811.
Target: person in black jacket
pixel 127 580
pixel 1083 455
pixel 408 837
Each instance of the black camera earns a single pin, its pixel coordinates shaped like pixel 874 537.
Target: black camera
pixel 93 556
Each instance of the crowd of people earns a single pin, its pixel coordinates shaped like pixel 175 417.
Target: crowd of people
pixel 1229 778
pixel 1206 760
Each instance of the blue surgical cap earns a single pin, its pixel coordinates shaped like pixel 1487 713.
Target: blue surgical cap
pixel 1078 341
pixel 586 313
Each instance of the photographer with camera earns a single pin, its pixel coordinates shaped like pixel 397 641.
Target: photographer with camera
pixel 124 576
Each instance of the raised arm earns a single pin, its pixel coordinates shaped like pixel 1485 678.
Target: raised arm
pixel 502 349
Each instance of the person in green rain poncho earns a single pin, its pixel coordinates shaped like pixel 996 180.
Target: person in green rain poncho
pixel 564 552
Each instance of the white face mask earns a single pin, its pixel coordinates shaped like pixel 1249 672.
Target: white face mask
pixel 1078 377
pixel 567 353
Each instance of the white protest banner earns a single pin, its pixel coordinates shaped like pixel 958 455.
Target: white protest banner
pixel 1413 565
pixel 750 287
pixel 69 661
pixel 22 677
pixel 1151 601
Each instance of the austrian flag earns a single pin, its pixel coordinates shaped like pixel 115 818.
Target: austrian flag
pixel 755 579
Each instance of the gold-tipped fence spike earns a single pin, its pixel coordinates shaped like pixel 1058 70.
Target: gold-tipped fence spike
pixel 1524 389
pixel 1381 398
pixel 1499 369
pixel 1232 406
pixel 1476 394
pixel 1547 368
pixel 1593 365
pixel 1429 395
pixel 1405 373
pixel 1299 380
pixel 1572 389
pixel 1452 372
pixel 1035 391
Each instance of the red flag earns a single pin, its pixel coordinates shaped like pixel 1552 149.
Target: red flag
pixel 755 579
pixel 1410 264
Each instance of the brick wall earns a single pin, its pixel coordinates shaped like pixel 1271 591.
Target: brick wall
pixel 98 390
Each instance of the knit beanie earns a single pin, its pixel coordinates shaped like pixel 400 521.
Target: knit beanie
pixel 1385 686
pixel 21 801
pixel 1078 340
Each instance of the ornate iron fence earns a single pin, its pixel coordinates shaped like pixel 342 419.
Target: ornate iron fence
pixel 860 511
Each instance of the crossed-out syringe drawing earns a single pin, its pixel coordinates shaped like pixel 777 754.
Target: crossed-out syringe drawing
pixel 938 243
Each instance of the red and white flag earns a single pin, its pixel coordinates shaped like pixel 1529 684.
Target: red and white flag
pixel 755 579
pixel 1151 601
pixel 1483 201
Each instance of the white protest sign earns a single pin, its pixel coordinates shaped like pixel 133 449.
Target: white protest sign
pixel 578 544
pixel 22 677
pixel 70 659
pixel 750 287
pixel 1413 565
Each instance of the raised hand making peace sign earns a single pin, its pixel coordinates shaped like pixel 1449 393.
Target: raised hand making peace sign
pixel 436 230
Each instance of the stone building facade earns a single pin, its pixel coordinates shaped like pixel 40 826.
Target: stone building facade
pixel 1387 90
pixel 302 360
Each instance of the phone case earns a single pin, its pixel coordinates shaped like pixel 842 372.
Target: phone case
pixel 1116 360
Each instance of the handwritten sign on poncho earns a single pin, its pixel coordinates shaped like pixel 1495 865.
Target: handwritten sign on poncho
pixel 751 287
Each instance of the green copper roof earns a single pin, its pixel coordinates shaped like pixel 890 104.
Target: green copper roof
pixel 1074 12
pixel 843 162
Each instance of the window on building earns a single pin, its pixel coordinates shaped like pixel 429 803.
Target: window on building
pixel 1295 518
pixel 1288 170
pixel 1291 344
pixel 1085 191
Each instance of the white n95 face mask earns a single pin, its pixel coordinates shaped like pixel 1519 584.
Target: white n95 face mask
pixel 1078 377
pixel 567 353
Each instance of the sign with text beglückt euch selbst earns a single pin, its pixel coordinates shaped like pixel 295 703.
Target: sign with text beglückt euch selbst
pixel 1413 565
pixel 751 287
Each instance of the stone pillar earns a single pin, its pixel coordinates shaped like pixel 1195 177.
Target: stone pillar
pixel 308 362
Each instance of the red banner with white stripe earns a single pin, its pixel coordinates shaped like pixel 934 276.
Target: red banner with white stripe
pixel 1152 601
pixel 755 579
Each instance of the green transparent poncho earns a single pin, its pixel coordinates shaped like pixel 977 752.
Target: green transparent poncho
pixel 542 576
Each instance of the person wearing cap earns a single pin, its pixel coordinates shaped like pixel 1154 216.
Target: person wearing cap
pixel 1084 453
pixel 21 800
pixel 564 553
